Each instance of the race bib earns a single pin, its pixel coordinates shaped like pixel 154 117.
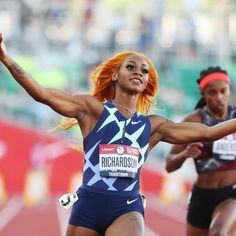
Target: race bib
pixel 225 149
pixel 116 160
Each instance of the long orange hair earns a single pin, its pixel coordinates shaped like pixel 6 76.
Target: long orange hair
pixel 104 86
pixel 104 89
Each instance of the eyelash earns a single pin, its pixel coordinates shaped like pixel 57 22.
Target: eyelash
pixel 145 71
pixel 131 67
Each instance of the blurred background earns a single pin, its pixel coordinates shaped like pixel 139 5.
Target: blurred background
pixel 59 42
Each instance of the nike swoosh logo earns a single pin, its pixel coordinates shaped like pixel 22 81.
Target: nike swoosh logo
pixel 135 122
pixel 131 201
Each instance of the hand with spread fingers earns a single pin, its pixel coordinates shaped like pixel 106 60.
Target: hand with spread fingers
pixel 3 51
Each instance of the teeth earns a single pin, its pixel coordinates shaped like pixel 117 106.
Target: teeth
pixel 136 81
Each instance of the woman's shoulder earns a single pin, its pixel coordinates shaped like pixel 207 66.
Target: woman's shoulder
pixel 157 120
pixel 194 116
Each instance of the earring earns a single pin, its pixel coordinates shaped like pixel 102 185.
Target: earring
pixel 113 77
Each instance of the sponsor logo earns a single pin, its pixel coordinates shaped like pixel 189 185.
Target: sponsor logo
pixel 120 150
pixel 131 201
pixel 135 122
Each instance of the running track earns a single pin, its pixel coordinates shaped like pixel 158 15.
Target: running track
pixel 50 219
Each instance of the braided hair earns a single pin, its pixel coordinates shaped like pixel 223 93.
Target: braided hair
pixel 211 69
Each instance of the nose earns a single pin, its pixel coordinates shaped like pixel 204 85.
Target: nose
pixel 220 97
pixel 138 72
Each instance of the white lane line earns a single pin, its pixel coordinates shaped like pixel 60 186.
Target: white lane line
pixel 175 213
pixel 10 210
pixel 150 232
pixel 63 217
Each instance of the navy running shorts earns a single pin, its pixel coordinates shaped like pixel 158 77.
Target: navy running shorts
pixel 204 201
pixel 97 211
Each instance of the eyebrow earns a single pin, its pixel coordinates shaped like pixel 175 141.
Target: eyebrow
pixel 222 87
pixel 136 63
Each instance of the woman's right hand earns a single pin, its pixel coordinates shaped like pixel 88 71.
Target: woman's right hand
pixel 193 150
pixel 3 51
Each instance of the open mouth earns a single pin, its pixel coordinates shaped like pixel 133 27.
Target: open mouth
pixel 136 80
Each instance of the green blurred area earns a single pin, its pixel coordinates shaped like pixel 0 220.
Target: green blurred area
pixel 53 77
pixel 180 75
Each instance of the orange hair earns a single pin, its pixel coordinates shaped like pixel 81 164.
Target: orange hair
pixel 104 88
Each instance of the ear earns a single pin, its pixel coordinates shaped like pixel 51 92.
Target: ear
pixel 114 76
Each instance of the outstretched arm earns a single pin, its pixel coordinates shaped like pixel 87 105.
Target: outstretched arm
pixel 189 132
pixel 61 102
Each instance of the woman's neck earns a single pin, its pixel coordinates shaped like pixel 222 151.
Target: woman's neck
pixel 125 108
pixel 218 115
pixel 125 104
